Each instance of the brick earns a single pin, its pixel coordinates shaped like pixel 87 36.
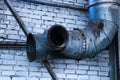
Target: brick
pixel 2 7
pixel 2 36
pixel 81 22
pixel 26 10
pixel 13 37
pixel 70 25
pixel 5 51
pixel 36 12
pixel 37 22
pixel 71 66
pixel 38 30
pixel 3 26
pixel 81 71
pixel 35 74
pixel 47 18
pixel 62 16
pixel 11 26
pixel 37 64
pixel 58 19
pixel 49 22
pixel 35 17
pixel 104 69
pixel 23 63
pixel 61 75
pixel 70 61
pixel 47 75
pixel 20 58
pixel 70 71
pixel 10 18
pixel 3 67
pixel 94 78
pixel 82 62
pixel 33 78
pixel 2 31
pixel 20 68
pixel 94 68
pixel 33 69
pixel 92 63
pixel 2 16
pixel 7 56
pixel 45 79
pixel 60 1
pixel 105 78
pixel 83 67
pixel 12 32
pixel 58 70
pixel 4 78
pixel 92 72
pixel 103 73
pixel 18 78
pixel 51 14
pixel 72 76
pixel 8 73
pixel 0 61
pixel 27 19
pixel 70 21
pixel 103 64
pixel 21 73
pixel 84 77
pixel 60 66
pixel 9 62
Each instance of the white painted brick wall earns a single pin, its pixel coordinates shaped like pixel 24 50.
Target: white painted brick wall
pixel 14 64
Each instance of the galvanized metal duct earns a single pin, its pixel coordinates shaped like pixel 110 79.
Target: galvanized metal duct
pixel 87 43
pixel 102 27
pixel 43 46
pixel 79 43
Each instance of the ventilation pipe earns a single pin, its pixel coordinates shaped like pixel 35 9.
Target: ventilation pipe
pixel 44 46
pixel 102 27
pixel 78 44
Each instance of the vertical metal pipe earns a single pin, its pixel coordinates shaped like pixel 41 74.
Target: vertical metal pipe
pixel 17 17
pixel 114 59
pixel 108 10
pixel 104 9
pixel 52 73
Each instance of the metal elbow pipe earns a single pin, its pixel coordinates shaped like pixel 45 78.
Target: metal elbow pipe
pixel 43 46
pixel 101 29
pixel 88 42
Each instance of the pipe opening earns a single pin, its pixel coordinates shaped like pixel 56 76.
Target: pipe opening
pixel 31 47
pixel 58 35
pixel 101 25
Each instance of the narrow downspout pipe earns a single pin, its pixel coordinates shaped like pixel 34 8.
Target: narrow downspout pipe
pixel 17 17
pixel 102 27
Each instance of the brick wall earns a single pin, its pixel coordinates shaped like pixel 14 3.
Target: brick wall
pixel 14 64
